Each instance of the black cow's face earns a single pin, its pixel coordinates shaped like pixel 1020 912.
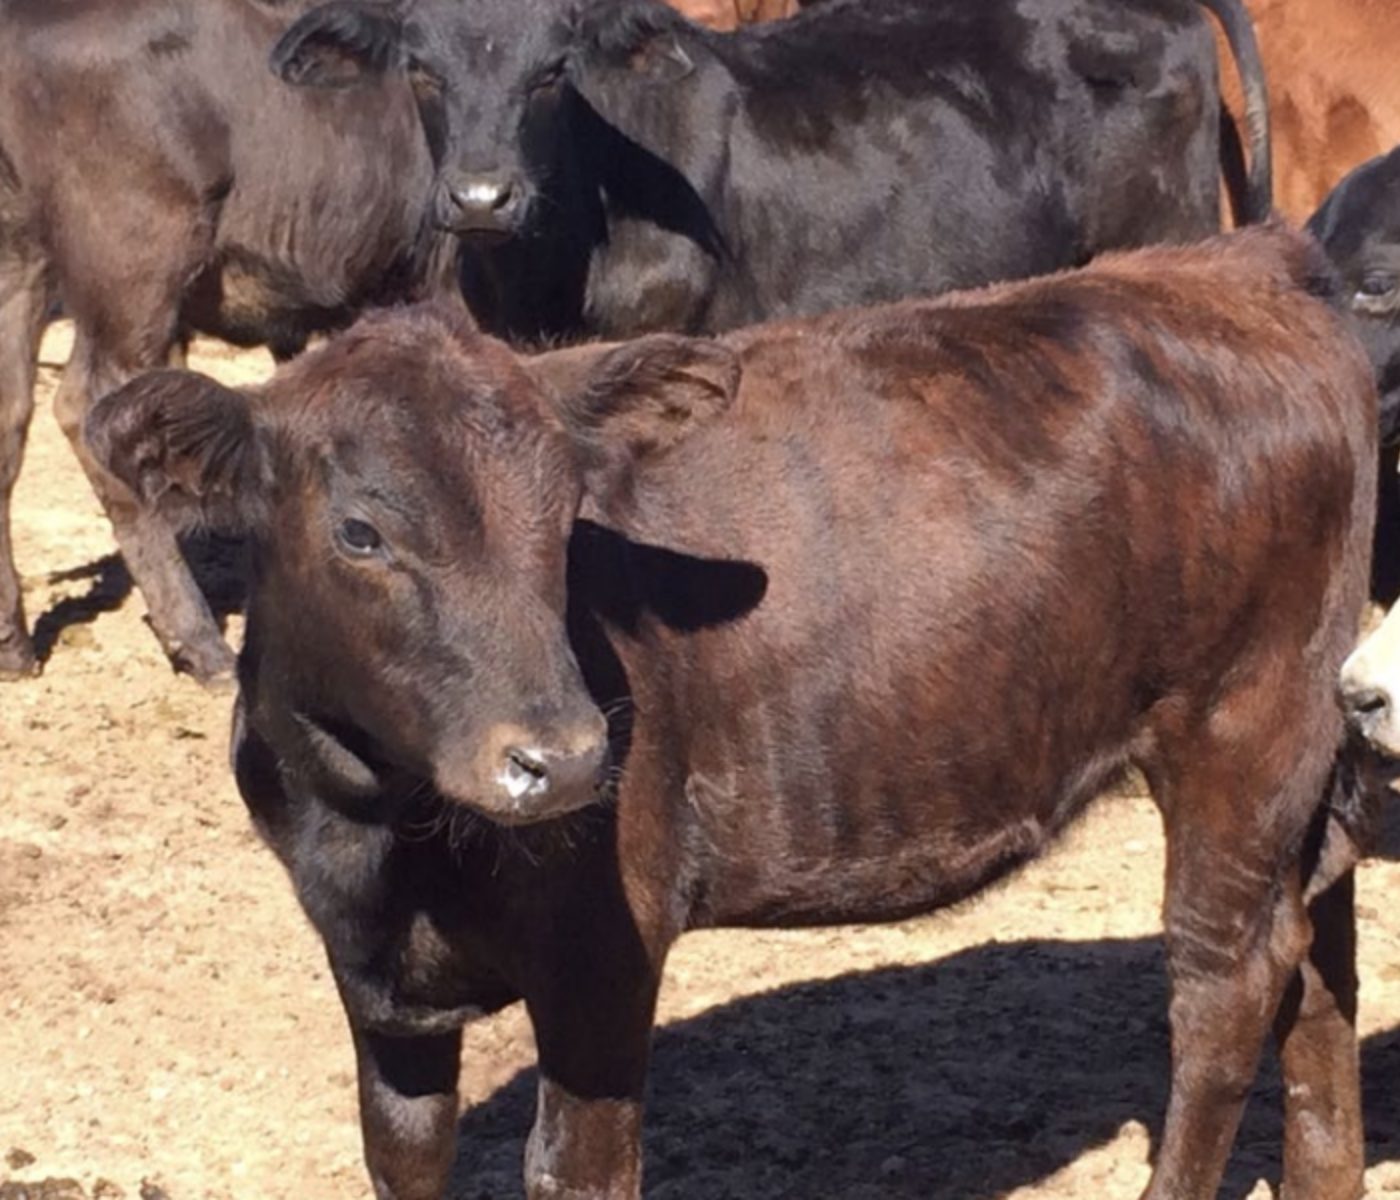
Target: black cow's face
pixel 410 490
pixel 498 83
pixel 1359 227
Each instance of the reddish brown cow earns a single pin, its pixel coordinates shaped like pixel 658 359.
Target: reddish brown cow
pixel 730 14
pixel 1333 92
pixel 873 604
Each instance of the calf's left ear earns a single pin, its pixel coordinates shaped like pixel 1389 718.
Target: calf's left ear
pixel 186 446
pixel 640 398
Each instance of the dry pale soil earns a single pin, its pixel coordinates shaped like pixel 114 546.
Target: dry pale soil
pixel 168 1029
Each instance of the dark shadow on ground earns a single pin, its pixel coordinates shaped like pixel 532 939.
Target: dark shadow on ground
pixel 218 564
pixel 966 1079
pixel 110 586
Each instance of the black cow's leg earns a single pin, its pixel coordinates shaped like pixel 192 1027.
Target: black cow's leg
pixel 178 611
pixel 23 304
pixel 408 1111
pixel 1324 1142
pixel 594 1046
pixel 1236 804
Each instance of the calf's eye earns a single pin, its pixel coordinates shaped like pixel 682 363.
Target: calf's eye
pixel 359 539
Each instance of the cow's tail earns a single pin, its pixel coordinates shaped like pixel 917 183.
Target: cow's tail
pixel 1253 200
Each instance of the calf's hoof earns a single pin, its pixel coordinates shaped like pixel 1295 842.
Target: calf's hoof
pixel 17 658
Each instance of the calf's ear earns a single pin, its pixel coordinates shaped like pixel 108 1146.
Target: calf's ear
pixel 639 399
pixel 339 44
pixel 184 445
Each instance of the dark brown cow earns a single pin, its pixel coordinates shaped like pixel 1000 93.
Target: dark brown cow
pixel 874 604
pixel 156 175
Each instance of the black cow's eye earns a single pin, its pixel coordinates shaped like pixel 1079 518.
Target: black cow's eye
pixel 547 79
pixel 1376 283
pixel 359 538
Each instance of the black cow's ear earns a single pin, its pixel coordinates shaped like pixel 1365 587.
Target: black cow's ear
pixel 641 37
pixel 661 59
pixel 641 398
pixel 186 446
pixel 339 44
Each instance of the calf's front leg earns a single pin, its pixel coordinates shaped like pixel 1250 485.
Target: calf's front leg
pixel 408 1111
pixel 584 1149
pixel 594 1044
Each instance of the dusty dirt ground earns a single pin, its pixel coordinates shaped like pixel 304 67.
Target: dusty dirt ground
pixel 168 1028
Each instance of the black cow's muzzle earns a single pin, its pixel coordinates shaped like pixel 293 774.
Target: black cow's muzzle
pixel 490 205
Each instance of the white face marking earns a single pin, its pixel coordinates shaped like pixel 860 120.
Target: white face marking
pixel 1374 668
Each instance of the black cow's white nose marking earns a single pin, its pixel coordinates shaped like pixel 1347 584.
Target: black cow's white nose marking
pixel 485 203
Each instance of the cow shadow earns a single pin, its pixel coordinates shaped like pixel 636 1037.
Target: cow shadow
pixel 969 1077
pixel 218 564
pixel 109 587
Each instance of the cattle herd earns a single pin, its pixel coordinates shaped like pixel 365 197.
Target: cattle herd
pixel 772 464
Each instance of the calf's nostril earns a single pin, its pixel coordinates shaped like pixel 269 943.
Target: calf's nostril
pixel 524 774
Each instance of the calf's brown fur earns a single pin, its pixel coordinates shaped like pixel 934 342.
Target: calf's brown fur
pixel 874 604
pixel 157 177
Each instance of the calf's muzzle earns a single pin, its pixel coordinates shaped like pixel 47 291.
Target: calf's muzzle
pixel 518 775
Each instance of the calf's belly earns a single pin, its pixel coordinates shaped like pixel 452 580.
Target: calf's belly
pixel 861 857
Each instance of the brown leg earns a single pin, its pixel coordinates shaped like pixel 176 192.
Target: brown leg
pixel 1324 1141
pixel 123 289
pixel 594 1041
pixel 584 1149
pixel 23 304
pixel 178 612
pixel 1236 928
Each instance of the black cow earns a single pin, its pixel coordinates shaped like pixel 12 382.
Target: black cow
pixel 1359 226
pixel 158 177
pixel 873 604
pixel 653 174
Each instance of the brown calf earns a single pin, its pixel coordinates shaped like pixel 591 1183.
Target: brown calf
pixel 873 605
pixel 157 177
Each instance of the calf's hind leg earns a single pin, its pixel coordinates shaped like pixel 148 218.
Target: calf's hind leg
pixel 1236 804
pixel 24 301
pixel 1323 1138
